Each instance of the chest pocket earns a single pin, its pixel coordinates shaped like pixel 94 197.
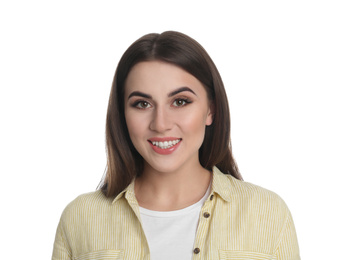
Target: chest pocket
pixel 101 255
pixel 243 255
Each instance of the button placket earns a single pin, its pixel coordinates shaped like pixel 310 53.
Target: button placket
pixel 203 227
pixel 206 213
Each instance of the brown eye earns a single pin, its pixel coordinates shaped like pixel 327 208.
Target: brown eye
pixel 180 102
pixel 143 104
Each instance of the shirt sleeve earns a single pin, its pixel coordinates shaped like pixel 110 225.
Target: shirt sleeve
pixel 61 249
pixel 288 248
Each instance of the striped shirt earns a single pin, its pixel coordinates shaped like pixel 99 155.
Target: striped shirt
pixel 238 220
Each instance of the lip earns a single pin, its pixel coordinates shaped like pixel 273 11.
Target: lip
pixel 163 139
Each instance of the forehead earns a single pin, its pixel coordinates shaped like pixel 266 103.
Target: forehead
pixel 158 76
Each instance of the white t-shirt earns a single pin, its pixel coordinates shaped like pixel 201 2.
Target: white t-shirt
pixel 171 234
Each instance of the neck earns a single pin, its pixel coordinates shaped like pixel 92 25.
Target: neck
pixel 166 191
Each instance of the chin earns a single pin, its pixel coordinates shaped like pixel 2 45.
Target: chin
pixel 164 167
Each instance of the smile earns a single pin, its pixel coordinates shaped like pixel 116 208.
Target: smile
pixel 166 144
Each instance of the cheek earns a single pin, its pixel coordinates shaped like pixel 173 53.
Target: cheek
pixel 134 125
pixel 194 122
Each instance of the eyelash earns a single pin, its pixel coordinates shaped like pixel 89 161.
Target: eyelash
pixel 185 101
pixel 137 103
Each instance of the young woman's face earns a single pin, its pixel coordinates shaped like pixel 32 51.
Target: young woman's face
pixel 166 111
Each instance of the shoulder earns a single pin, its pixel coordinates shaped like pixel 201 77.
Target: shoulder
pixel 248 196
pixel 247 189
pixel 256 205
pixel 85 205
pixel 257 198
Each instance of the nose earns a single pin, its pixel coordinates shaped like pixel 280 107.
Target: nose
pixel 161 120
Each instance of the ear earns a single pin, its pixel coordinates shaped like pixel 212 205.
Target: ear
pixel 210 114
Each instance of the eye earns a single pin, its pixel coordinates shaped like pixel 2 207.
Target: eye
pixel 179 102
pixel 141 104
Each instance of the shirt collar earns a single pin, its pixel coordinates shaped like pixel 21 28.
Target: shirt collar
pixel 128 192
pixel 220 185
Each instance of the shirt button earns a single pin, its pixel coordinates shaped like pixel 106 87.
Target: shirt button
pixel 211 198
pixel 197 250
pixel 207 215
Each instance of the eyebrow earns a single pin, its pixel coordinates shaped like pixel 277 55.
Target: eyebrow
pixel 173 93
pixel 181 89
pixel 139 94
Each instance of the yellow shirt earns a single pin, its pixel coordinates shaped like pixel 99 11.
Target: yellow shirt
pixel 238 221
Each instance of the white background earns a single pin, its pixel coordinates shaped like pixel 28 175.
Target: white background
pixel 286 66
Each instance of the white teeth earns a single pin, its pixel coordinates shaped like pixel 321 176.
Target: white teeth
pixel 166 144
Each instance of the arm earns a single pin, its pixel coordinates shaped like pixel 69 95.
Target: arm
pixel 287 247
pixel 61 249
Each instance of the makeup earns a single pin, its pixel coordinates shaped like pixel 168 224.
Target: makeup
pixel 164 145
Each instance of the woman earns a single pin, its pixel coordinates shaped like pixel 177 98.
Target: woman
pixel 172 189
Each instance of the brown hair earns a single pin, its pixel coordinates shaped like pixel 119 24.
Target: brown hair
pixel 123 161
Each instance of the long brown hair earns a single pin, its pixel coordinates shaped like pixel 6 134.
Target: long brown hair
pixel 123 161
